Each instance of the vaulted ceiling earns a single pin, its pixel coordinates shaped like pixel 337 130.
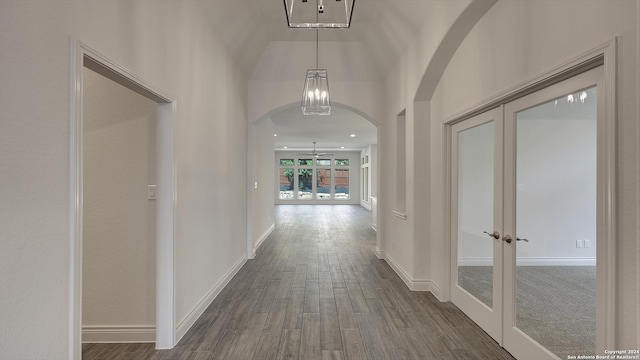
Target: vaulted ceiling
pixel 381 31
pixel 384 27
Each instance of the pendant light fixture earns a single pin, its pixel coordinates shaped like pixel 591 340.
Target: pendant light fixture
pixel 336 14
pixel 315 94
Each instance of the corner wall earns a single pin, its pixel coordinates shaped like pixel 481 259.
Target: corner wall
pixel 167 44
pixel 261 189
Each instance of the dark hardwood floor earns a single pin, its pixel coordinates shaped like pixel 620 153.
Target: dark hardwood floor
pixel 317 291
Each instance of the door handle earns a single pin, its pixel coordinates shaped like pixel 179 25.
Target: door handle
pixel 507 239
pixel 522 239
pixel 495 234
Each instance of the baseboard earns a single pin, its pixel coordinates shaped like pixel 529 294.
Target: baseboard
pixel 531 261
pixel 412 284
pixel 365 205
pixel 374 227
pixel 196 312
pixel 380 253
pixel 118 334
pixel 260 240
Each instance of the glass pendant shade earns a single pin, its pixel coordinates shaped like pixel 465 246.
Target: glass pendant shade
pixel 315 95
pixel 319 14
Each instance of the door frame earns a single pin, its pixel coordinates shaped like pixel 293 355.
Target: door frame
pixel 165 328
pixel 605 56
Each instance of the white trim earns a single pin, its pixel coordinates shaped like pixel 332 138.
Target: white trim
pixel 531 261
pixel 166 208
pixel 166 203
pixel 380 254
pixel 606 338
pixel 118 334
pixel 365 204
pixel 75 204
pixel 413 284
pixel 260 240
pixel 195 313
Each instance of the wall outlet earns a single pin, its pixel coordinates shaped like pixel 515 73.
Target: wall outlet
pixel 587 243
pixel 579 243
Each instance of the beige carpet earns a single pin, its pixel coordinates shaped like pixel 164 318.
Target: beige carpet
pixel 555 305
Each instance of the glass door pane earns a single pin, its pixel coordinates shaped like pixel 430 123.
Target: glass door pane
pixel 305 184
pixel 286 184
pixel 323 184
pixel 342 184
pixel 475 216
pixel 555 189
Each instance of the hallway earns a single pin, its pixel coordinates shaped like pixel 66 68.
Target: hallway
pixel 317 291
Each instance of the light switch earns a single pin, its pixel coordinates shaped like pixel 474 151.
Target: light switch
pixel 151 192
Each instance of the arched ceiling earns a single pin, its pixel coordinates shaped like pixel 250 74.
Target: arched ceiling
pixel 332 133
pixel 381 31
pixel 383 27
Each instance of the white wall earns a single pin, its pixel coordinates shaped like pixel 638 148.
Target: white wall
pixel 515 41
pixel 263 158
pixel 169 45
pixel 405 243
pixel 119 221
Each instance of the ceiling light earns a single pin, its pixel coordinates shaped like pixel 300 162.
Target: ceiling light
pixel 284 147
pixel 341 147
pixel 319 14
pixel 275 134
pixel 315 94
pixel 353 135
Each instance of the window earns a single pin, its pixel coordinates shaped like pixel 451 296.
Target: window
pixel 312 179
pixel 365 183
pixel 401 163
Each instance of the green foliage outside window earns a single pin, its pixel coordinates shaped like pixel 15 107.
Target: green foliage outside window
pixel 342 162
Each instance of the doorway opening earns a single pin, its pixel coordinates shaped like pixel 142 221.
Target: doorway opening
pixel 118 272
pixel 285 168
pixel 156 151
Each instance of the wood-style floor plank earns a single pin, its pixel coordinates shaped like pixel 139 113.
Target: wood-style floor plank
pixel 330 338
pixel 317 291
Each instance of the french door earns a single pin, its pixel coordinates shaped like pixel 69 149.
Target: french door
pixel 525 219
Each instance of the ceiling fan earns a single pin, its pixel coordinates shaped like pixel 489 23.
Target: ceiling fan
pixel 314 153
